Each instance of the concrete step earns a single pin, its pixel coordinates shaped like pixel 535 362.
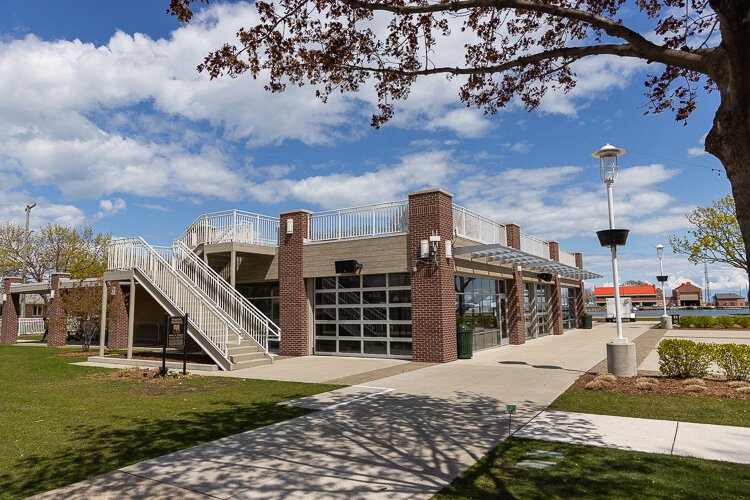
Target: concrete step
pixel 247 357
pixel 244 349
pixel 250 364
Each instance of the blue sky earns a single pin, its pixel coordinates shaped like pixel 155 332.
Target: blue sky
pixel 104 120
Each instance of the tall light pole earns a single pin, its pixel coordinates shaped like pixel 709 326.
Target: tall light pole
pixel 666 321
pixel 621 359
pixel 25 257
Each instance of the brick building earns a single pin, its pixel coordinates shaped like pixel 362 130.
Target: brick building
pixel 686 295
pixel 729 300
pixel 385 280
pixel 642 296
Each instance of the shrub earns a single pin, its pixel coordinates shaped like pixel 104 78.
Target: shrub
pixel 645 385
pixel 597 385
pixel 693 381
pixel 737 383
pixel 715 321
pixel 734 359
pixel 744 390
pixel 684 358
pixel 606 377
pixel 695 388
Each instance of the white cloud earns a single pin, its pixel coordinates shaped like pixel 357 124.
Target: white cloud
pixel 519 147
pixel 553 202
pixel 701 150
pixel 387 183
pixel 110 207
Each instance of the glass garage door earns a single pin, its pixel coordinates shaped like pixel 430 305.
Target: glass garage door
pixel 363 315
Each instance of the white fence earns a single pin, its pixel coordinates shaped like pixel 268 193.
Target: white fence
pixel 567 258
pixel 473 226
pixel 232 226
pixel 384 219
pixel 30 326
pixel 534 246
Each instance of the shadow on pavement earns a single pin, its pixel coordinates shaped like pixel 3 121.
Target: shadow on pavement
pixel 393 444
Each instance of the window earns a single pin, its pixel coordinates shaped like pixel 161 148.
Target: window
pixel 362 315
pixel 36 310
pixel 478 303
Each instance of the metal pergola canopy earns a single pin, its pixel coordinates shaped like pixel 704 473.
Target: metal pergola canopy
pixel 505 255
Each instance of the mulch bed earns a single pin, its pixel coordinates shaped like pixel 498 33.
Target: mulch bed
pixel 76 354
pixel 666 386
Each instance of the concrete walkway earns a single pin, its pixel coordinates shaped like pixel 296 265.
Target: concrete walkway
pixel 398 437
pixel 712 442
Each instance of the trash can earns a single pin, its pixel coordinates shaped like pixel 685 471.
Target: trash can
pixel 465 335
pixel 588 321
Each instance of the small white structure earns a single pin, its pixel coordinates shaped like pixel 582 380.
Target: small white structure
pixel 626 309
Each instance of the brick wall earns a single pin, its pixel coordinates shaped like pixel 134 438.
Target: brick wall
pixel 58 334
pixel 11 310
pixel 556 292
pixel 117 318
pixel 516 318
pixel 580 299
pixel 433 306
pixel 294 317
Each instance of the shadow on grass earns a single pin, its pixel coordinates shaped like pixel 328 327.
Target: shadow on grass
pixel 99 447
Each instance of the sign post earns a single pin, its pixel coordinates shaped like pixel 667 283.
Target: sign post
pixel 163 371
pixel 510 410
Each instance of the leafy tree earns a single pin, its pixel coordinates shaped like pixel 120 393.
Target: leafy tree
pixel 716 236
pixel 520 49
pixel 83 307
pixel 54 248
pixel 635 283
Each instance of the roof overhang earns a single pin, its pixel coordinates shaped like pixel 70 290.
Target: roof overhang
pixel 505 255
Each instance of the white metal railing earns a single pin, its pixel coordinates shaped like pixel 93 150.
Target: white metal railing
pixel 383 219
pixel 248 317
pixel 131 253
pixel 567 258
pixel 470 225
pixel 30 326
pixel 232 226
pixel 535 246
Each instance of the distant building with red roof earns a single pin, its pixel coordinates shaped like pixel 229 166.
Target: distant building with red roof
pixel 644 295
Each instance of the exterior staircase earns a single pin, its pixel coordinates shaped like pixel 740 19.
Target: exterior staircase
pixel 233 332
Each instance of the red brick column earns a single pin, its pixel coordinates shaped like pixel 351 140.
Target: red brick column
pixel 117 318
pixel 433 296
pixel 11 311
pixel 580 299
pixel 58 319
pixel 294 318
pixel 516 316
pixel 556 294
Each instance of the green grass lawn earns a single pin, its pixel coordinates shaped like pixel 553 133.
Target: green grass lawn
pixel 61 424
pixel 702 410
pixel 590 472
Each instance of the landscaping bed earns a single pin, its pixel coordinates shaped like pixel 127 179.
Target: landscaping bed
pixel 592 472
pixel 664 386
pixel 668 399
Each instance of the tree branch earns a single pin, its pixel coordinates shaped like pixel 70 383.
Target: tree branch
pixel 573 53
pixel 640 45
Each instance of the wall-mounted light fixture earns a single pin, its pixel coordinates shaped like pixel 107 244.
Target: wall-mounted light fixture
pixel 448 249
pixel 289 226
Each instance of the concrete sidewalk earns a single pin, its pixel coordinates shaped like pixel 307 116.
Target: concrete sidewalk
pixel 711 442
pixel 403 436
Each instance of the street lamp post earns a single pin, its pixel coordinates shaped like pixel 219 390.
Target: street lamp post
pixel 666 321
pixel 621 360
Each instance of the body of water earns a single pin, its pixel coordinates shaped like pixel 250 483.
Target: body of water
pixel 682 312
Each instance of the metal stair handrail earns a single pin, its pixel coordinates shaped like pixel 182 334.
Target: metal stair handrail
pixel 243 312
pixel 132 253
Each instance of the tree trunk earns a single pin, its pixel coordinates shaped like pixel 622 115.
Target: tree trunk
pixel 728 139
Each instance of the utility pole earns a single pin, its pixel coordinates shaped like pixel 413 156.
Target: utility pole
pixel 25 258
pixel 706 285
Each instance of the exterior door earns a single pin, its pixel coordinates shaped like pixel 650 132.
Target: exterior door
pixel 503 312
